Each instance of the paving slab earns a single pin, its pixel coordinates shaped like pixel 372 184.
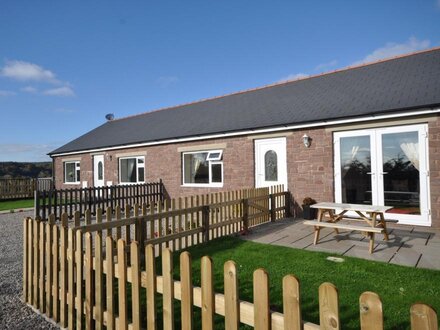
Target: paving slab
pixel 332 245
pixel 407 245
pixel 429 260
pixel 434 238
pixel 361 250
pixel 406 256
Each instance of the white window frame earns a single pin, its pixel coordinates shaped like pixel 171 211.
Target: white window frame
pixel 137 169
pixel 77 168
pixel 218 162
pixel 210 156
pixel 424 219
pixel 213 161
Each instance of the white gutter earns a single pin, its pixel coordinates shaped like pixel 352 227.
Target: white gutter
pixel 256 131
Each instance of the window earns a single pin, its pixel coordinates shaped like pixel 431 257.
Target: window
pixel 132 170
pixel 271 166
pixel 100 171
pixel 385 166
pixel 215 155
pixel 72 172
pixel 203 168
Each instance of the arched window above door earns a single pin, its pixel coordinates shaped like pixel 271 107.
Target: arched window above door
pixel 100 171
pixel 271 166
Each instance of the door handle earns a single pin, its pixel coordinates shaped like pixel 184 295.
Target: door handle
pixel 383 173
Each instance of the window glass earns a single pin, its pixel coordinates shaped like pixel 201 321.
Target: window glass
pixel 271 166
pixel 128 170
pixel 100 171
pixel 141 174
pixel 196 168
pixel 71 172
pixel 216 172
pixel 356 170
pixel 78 176
pixel 401 177
pixel 132 170
pixel 215 155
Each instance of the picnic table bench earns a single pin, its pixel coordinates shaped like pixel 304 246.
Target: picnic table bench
pixel 372 215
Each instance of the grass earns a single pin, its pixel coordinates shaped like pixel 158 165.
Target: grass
pixel 398 286
pixel 16 204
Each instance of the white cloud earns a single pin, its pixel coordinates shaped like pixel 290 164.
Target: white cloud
pixel 393 49
pixel 294 77
pixel 25 152
pixel 166 81
pixel 60 91
pixel 29 89
pixel 25 71
pixel 326 66
pixel 6 93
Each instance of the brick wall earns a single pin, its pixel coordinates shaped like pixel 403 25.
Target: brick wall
pixel 434 170
pixel 310 170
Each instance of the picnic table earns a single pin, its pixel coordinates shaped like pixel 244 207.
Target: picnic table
pixel 371 217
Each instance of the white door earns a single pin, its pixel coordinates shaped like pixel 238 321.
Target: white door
pixel 270 162
pixel 98 171
pixel 385 166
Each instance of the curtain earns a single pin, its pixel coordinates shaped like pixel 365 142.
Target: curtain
pixel 131 172
pixel 411 151
pixel 197 163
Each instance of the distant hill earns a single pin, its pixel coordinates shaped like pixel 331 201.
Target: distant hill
pixel 10 170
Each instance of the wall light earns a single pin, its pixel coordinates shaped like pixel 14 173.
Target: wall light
pixel 306 140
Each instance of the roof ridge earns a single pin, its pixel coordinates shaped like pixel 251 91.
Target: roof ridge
pixel 285 82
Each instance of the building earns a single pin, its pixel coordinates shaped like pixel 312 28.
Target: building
pixel 364 134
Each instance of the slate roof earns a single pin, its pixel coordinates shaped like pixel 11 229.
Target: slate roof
pixel 402 83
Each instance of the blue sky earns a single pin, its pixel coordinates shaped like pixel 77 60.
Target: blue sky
pixel 65 64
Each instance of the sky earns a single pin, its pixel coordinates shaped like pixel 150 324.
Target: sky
pixel 64 65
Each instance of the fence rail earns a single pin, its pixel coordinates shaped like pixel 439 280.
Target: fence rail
pixel 67 277
pixel 23 188
pixel 58 201
pixel 183 222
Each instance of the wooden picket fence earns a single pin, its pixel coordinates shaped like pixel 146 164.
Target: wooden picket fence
pixel 69 278
pixel 23 188
pixel 59 201
pixel 184 222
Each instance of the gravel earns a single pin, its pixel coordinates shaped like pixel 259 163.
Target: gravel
pixel 14 314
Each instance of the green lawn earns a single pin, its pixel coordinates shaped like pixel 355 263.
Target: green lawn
pixel 16 204
pixel 398 286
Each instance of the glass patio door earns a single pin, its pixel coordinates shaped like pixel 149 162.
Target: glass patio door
pixel 385 166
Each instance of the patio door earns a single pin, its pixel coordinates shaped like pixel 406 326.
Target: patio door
pixel 385 166
pixel 98 170
pixel 270 162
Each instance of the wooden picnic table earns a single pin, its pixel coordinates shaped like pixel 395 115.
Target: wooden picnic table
pixel 329 214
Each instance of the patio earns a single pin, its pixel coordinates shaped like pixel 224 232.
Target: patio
pixel 408 245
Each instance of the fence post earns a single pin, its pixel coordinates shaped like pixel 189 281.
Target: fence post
pixel 36 205
pixel 245 215
pixel 273 214
pixel 162 197
pixel 205 222
pixel 287 199
pixel 33 186
pixel 141 233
